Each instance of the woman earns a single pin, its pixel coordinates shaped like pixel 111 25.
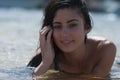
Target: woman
pixel 64 44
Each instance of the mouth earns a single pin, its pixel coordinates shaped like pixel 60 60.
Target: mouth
pixel 66 42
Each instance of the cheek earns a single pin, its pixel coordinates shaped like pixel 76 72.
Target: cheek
pixel 55 35
pixel 78 35
pixel 77 32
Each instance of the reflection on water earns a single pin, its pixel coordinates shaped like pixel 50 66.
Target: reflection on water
pixel 16 74
pixel 56 75
pixel 25 73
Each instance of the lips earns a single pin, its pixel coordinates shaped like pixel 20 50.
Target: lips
pixel 66 42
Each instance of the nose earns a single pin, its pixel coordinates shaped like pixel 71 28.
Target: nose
pixel 65 32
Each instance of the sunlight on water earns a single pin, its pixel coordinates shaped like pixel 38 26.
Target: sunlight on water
pixel 19 34
pixel 16 74
pixel 25 73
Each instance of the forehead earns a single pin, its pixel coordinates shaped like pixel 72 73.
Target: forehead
pixel 67 13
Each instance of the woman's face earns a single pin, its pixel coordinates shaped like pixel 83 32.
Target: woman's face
pixel 68 30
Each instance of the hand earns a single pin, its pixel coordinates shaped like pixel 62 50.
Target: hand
pixel 47 51
pixel 46 45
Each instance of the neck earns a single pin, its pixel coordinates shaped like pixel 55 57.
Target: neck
pixel 75 57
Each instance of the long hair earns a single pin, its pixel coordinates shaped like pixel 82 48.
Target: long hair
pixel 54 5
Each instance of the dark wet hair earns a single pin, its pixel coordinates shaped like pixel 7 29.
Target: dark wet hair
pixel 55 5
pixel 49 14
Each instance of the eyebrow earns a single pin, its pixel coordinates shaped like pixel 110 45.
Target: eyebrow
pixel 72 20
pixel 67 21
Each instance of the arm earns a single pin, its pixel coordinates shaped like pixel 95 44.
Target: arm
pixel 108 51
pixel 47 51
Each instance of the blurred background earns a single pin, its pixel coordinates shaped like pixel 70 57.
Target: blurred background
pixel 21 20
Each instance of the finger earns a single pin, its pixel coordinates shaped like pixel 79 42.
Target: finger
pixel 43 30
pixel 49 36
pixel 43 33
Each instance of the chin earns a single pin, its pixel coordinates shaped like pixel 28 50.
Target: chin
pixel 67 50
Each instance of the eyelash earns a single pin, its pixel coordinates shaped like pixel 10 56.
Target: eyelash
pixel 72 25
pixel 56 26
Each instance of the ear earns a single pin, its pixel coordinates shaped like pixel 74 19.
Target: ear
pixel 87 28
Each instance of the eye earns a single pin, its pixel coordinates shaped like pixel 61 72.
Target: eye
pixel 72 25
pixel 56 26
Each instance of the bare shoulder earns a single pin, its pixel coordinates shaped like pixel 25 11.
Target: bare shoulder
pixel 104 45
pixel 106 52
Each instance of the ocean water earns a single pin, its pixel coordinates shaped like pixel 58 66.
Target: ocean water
pixel 19 30
pixel 19 34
